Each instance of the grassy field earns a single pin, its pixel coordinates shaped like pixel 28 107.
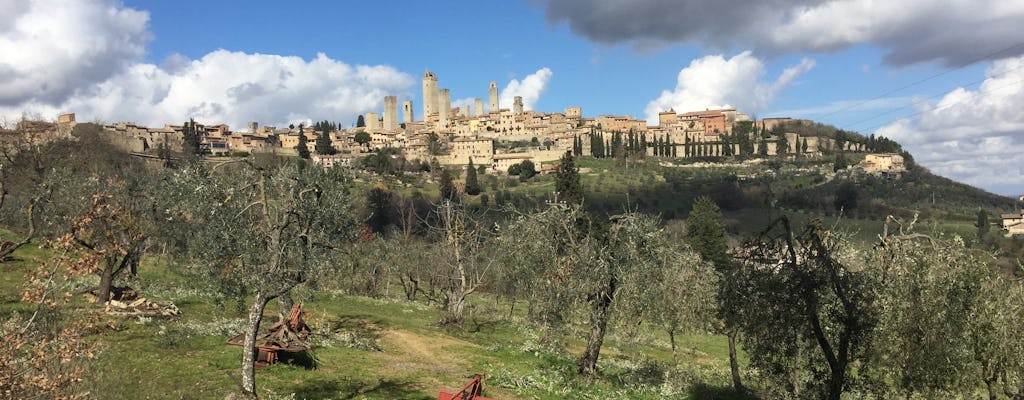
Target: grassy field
pixel 367 348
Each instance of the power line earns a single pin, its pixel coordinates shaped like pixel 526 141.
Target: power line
pixel 918 82
pixel 971 97
pixel 852 124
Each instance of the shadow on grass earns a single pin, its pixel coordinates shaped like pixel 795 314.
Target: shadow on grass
pixel 382 388
pixel 304 359
pixel 706 392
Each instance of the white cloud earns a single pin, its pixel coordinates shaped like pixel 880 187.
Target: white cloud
pixel 973 136
pixel 86 58
pixel 234 88
pixel 530 88
pixel 52 48
pixel 956 32
pixel 714 82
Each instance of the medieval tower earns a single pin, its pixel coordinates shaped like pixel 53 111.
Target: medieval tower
pixel 429 94
pixel 444 108
pixel 492 97
pixel 407 113
pixel 391 113
pixel 517 105
pixel 478 107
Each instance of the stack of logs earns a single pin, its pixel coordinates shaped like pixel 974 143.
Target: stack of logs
pixel 141 308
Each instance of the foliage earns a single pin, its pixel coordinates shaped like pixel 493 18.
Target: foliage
pixel 446 186
pixel 567 181
pixel 262 229
pixel 805 314
pixel 946 322
pixel 361 137
pixel 302 148
pixel 472 183
pixel 560 257
pixel 323 142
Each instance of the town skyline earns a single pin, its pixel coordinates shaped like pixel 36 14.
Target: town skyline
pixel 283 65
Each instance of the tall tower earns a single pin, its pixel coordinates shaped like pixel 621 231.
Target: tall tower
pixel 407 113
pixel 464 110
pixel 517 105
pixel 429 94
pixel 492 97
pixel 391 113
pixel 444 107
pixel 478 107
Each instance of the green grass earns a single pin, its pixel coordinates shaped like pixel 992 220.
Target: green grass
pixel 187 357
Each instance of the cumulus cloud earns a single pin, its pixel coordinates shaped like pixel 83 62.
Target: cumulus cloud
pixel 715 82
pixel 955 32
pixel 530 88
pixel 53 48
pixel 96 71
pixel 973 136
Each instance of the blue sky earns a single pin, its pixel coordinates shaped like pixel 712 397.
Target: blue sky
pixel 156 62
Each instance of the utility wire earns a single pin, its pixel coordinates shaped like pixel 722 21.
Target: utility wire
pixel 971 97
pixel 918 82
pixel 855 123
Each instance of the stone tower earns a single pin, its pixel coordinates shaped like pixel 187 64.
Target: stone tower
pixel 444 108
pixel 517 105
pixel 429 94
pixel 478 107
pixel 492 97
pixel 407 113
pixel 464 110
pixel 391 113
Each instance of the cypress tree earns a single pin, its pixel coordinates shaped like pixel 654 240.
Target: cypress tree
pixel 567 181
pixel 302 148
pixel 472 184
pixel 447 188
pixel 323 141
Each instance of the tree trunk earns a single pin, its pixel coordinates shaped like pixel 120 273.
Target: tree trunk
pixel 672 341
pixel 455 307
pixel 734 365
pixel 599 315
pixel 29 212
pixel 259 303
pixel 106 281
pixel 993 393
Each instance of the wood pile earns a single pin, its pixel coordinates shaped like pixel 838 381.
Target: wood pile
pixel 141 308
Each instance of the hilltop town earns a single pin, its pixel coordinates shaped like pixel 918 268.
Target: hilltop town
pixel 501 137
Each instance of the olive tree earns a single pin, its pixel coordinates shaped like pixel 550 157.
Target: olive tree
pixel 569 265
pixel 807 312
pixel 949 321
pixel 265 228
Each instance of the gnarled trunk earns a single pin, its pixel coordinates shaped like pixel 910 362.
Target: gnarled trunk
pixel 599 315
pixel 259 303
pixel 734 365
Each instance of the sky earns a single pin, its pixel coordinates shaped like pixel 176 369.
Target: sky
pixel 945 79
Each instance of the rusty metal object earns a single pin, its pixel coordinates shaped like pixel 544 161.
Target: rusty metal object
pixel 471 391
pixel 287 336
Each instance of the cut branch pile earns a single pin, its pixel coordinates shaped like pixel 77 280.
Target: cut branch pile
pixel 141 308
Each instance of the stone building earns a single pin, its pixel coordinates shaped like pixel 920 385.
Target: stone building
pixel 886 162
pixel 481 150
pixel 1013 223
